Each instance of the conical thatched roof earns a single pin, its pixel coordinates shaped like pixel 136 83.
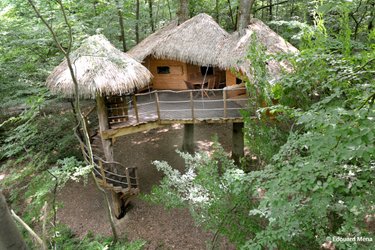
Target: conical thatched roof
pixel 237 45
pixel 197 41
pixel 99 68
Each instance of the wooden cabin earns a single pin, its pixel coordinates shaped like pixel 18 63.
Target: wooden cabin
pixel 199 47
pixel 171 74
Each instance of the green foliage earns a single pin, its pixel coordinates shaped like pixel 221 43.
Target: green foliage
pixel 318 184
pixel 212 187
pixel 65 240
pixel 32 133
pixel 263 134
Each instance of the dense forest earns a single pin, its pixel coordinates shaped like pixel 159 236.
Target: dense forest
pixel 307 181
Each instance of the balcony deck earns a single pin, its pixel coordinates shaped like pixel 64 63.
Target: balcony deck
pixel 157 108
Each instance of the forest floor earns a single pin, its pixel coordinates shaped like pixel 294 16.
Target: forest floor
pixel 83 209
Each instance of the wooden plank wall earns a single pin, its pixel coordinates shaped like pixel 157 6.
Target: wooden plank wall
pixel 179 72
pixel 174 80
pixel 230 78
pixel 230 81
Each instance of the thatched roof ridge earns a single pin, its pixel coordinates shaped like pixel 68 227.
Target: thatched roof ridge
pixel 237 45
pixel 147 46
pixel 197 41
pixel 99 68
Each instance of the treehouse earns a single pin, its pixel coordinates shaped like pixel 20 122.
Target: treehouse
pixel 199 49
pixel 102 71
pixel 190 73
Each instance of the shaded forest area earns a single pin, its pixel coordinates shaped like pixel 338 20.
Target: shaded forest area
pixel 307 181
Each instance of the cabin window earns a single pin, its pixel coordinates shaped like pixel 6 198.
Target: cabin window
pixel 163 70
pixel 209 70
pixel 238 81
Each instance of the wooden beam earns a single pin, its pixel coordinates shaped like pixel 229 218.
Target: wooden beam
pixel 116 132
pixel 126 130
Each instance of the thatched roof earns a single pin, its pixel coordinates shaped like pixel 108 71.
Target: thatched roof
pixel 200 40
pixel 99 68
pixel 197 41
pixel 236 48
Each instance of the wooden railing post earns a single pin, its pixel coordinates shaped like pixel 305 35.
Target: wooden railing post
pixel 135 108
pixel 192 105
pixel 128 178
pixel 136 177
pixel 225 102
pixel 157 104
pixel 102 173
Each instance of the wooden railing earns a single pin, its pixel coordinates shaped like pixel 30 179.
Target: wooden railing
pixel 113 175
pixel 168 105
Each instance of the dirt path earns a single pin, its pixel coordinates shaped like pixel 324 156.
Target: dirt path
pixel 83 209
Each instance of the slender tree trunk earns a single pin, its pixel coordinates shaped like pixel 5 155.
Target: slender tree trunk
pixel 169 10
pixel 121 22
pixel 270 10
pixel 137 21
pixel 10 237
pixel 151 16
pixel 183 12
pixel 244 13
pixel 236 22
pixel 82 124
pixel 231 15
pixel 217 11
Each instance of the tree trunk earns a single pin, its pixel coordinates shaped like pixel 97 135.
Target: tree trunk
pixel 121 22
pixel 231 15
pixel 244 13
pixel 169 10
pixel 10 237
pixel 137 21
pixel 183 12
pixel 217 11
pixel 270 12
pixel 151 16
pixel 104 125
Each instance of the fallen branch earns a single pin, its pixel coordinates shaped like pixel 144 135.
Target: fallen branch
pixel 32 233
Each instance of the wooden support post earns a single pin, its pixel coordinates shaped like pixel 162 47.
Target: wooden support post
pixel 128 178
pixel 237 142
pixel 135 108
pixel 225 102
pixel 117 203
pixel 157 105
pixel 103 126
pixel 192 105
pixel 126 106
pixel 102 173
pixel 188 141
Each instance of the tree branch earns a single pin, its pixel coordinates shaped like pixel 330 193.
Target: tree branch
pixel 269 5
pixel 54 36
pixel 32 233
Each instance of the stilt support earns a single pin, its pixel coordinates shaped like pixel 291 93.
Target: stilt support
pixel 118 205
pixel 237 142
pixel 188 141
